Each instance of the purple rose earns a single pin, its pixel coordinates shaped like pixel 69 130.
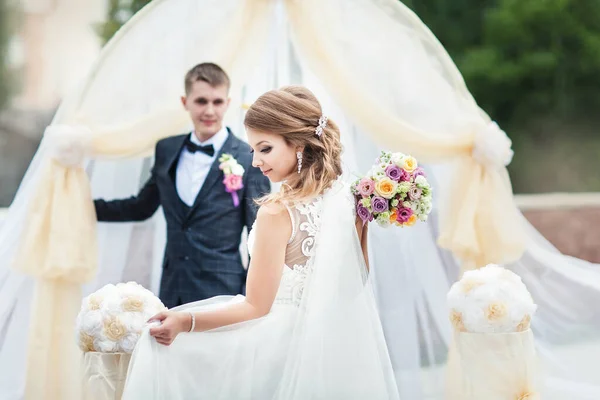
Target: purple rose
pixel 363 213
pixel 365 187
pixel 379 204
pixel 393 172
pixel 419 172
pixel 403 214
pixel 414 193
pixel 404 175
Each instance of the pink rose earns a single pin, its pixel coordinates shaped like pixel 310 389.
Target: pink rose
pixel 403 214
pixel 414 193
pixel 366 187
pixel 233 182
pixel 404 176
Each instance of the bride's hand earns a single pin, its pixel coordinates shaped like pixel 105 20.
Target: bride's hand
pixel 172 323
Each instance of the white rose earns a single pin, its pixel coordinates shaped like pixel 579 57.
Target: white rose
pixel 231 163
pixel 155 307
pixel 112 305
pixel 105 346
pixel 106 290
pixel 237 169
pixel 397 158
pixel 134 322
pixel 130 288
pixel 148 295
pixel 421 181
pixel 127 344
pixel 129 292
pixel 91 322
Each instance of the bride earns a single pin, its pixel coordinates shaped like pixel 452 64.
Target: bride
pixel 308 327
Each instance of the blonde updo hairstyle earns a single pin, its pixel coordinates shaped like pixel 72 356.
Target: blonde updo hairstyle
pixel 293 112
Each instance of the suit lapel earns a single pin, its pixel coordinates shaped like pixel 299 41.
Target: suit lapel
pixel 171 164
pixel 215 174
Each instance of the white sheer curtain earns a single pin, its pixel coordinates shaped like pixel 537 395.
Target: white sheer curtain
pixel 410 76
pixel 138 76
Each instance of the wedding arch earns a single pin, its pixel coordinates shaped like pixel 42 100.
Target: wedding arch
pixel 386 80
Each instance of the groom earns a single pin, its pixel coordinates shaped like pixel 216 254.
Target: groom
pixel 204 223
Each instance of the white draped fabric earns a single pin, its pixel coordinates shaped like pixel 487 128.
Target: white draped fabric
pixel 388 83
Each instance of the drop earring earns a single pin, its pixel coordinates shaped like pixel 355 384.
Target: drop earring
pixel 299 157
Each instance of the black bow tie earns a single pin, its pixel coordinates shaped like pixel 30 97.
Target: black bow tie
pixel 209 150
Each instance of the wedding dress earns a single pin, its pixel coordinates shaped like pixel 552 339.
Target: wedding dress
pixel 321 340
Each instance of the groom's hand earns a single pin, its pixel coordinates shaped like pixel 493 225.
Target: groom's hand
pixel 171 324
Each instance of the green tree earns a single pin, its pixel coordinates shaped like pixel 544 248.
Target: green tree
pixel 537 57
pixel 534 67
pixel 458 24
pixel 119 12
pixel 522 58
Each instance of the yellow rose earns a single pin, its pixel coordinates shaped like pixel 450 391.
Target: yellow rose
pixel 386 188
pixel 86 342
pixel 496 311
pixel 114 329
pixel 94 302
pixel 457 321
pixel 133 304
pixel 469 284
pixel 410 163
pixel 411 221
pixel 524 324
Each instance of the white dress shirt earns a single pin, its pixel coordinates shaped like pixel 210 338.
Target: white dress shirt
pixel 193 168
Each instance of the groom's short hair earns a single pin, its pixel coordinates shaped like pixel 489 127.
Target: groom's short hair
pixel 208 72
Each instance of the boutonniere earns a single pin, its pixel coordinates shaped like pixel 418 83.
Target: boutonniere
pixel 233 176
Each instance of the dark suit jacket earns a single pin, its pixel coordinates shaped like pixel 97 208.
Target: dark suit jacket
pixel 202 256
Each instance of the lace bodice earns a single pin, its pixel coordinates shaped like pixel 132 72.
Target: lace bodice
pixel 306 221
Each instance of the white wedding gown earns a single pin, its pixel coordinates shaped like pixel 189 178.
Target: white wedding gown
pixel 321 340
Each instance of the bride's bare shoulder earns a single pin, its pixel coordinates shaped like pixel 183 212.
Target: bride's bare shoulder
pixel 273 222
pixel 274 217
pixel 272 209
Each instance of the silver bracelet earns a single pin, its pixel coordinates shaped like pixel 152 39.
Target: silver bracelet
pixel 193 321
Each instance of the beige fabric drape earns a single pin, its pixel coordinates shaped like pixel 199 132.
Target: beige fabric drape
pixel 104 375
pixel 480 224
pixel 58 245
pixel 495 366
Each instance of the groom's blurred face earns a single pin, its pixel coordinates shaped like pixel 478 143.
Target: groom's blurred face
pixel 206 105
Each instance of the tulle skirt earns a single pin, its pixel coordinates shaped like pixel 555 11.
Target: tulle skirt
pixel 241 361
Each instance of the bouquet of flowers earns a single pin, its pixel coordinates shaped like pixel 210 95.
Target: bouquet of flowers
pixel 112 318
pixel 233 175
pixel 490 300
pixel 395 191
